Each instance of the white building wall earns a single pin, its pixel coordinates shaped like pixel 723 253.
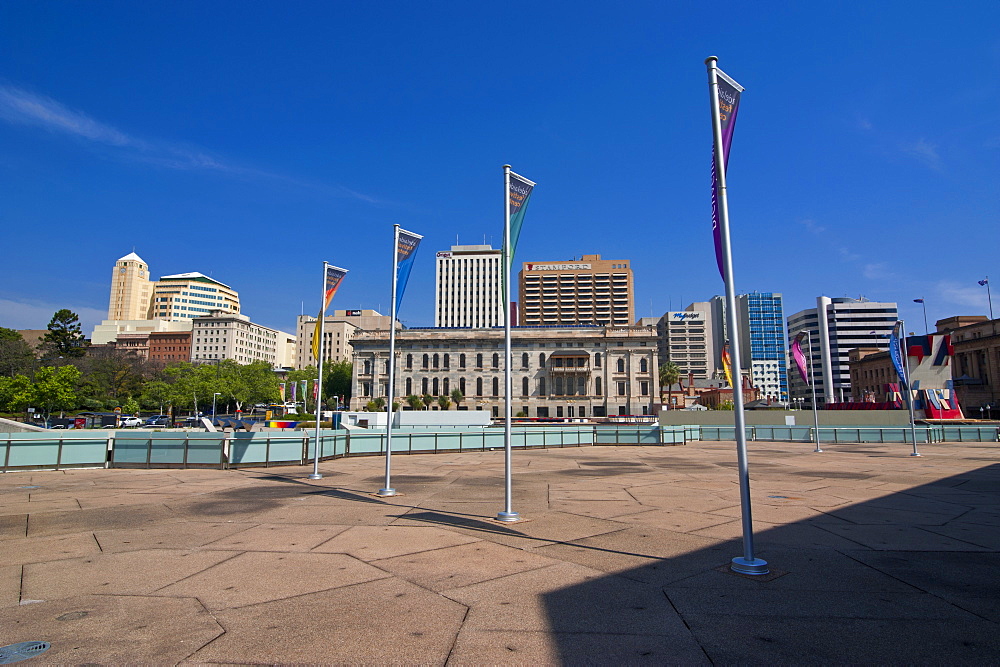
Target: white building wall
pixel 467 287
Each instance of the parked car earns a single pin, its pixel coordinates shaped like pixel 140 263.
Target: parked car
pixel 158 420
pixel 131 422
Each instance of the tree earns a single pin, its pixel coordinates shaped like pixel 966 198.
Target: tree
pixel 15 354
pixel 64 337
pixel 337 376
pixel 242 383
pixel 415 402
pixel 670 374
pixel 379 403
pixel 15 393
pixel 428 400
pixel 111 374
pixel 457 397
pixel 130 406
pixel 156 394
pixel 444 402
pixel 54 389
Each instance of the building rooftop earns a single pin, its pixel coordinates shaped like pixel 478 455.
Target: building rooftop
pixel 876 557
pixel 194 275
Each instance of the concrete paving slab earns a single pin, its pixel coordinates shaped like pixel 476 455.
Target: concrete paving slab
pixel 10 585
pixel 13 526
pixel 278 537
pixel 370 543
pixel 127 573
pixel 454 567
pixel 676 520
pixel 175 535
pixel 253 578
pixel 384 622
pixel 58 523
pixel 40 549
pixel 901 538
pixel 112 629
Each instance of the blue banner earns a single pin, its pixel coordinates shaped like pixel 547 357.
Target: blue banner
pixel 895 353
pixel 406 249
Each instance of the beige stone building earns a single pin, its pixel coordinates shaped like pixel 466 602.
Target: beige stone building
pixel 591 291
pixel 131 289
pixel 556 371
pixel 189 295
pixel 222 335
pixel 338 329
pixel 976 367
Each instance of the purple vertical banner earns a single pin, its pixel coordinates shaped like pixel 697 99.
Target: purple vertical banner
pixel 800 358
pixel 729 103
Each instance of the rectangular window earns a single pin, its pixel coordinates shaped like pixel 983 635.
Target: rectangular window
pixel 621 389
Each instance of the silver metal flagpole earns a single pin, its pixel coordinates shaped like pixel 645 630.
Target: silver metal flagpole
pixel 904 359
pixel 387 490
pixel 508 514
pixel 748 563
pixel 812 384
pixel 319 378
pixel 989 297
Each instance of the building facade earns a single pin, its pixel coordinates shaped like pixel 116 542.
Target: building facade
pixel 222 335
pixel 467 290
pixel 338 329
pixel 976 369
pixel 170 346
pixel 762 343
pixel 686 338
pixel 836 327
pixel 577 372
pixel 189 295
pixel 131 289
pixel 591 291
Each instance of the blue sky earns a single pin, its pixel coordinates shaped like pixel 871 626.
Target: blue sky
pixel 253 140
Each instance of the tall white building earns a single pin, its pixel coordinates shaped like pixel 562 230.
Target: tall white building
pixel 221 335
pixel 686 338
pixel 130 289
pixel 467 287
pixel 836 327
pixel 190 295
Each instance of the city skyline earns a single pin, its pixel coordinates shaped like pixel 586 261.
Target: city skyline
pixel 253 146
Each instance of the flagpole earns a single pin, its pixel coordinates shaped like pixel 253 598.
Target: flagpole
pixel 923 303
pixel 748 563
pixel 387 490
pixel 508 514
pixel 319 377
pixel 812 385
pixel 904 357
pixel 989 297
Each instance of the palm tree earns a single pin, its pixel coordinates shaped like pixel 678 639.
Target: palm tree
pixel 428 401
pixel 415 402
pixel 457 397
pixel 669 376
pixel 444 402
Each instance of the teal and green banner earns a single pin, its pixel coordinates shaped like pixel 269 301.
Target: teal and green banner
pixel 518 193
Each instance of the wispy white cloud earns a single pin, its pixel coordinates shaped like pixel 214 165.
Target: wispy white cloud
pixel 37 314
pixel 878 271
pixel 812 226
pixel 956 294
pixel 21 107
pixel 847 255
pixel 924 152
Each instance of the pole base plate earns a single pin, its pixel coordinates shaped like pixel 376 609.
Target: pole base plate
pixel 744 566
pixel 315 475
pixel 385 493
pixel 915 454
pixel 508 517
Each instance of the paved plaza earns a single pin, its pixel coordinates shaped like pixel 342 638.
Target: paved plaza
pixel 875 556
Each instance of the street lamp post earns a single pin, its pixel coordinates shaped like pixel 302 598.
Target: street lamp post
pixel 218 393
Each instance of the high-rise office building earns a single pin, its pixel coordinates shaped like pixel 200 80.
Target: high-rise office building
pixel 190 295
pixel 685 338
pixel 130 289
pixel 467 287
pixel 762 343
pixel 590 290
pixel 837 326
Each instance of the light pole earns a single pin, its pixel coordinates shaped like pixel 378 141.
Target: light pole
pixel 218 393
pixel 812 385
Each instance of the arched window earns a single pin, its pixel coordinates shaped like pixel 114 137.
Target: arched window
pixel 479 360
pixel 541 360
pixel 446 386
pixel 461 360
pixel 437 360
pixel 597 359
pixel 479 386
pixel 461 385
pixel 409 361
pixel 368 367
pixel 524 387
pixel 597 386
pixel 643 365
pixel 524 360
pixel 423 386
pixel 409 386
pixel 435 385
pixel 426 362
pixel 385 367
pixel 557 390
pixel 581 387
pixel 621 365
pixel 447 361
pixel 541 386
pixel 496 360
pixel 496 386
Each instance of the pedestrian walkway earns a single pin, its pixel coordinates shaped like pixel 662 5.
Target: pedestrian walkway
pixel 875 557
